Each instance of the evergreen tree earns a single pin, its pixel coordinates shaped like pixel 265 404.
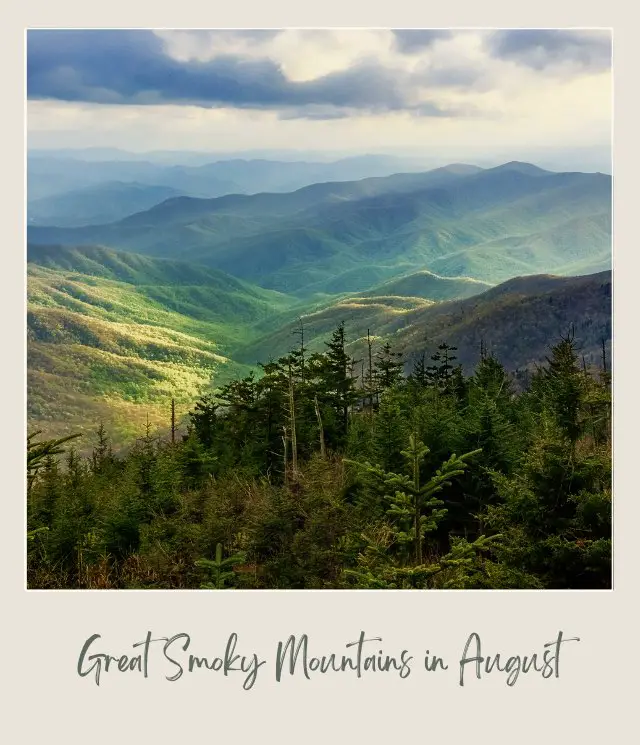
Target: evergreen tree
pixel 205 420
pixel 336 388
pixel 220 571
pixel 38 452
pixel 410 498
pixel 389 433
pixel 420 374
pixel 440 372
pixel 102 459
pixel 560 387
pixel 388 368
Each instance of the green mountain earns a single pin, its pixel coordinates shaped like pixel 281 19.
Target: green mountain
pixel 115 336
pixel 490 225
pixel 429 286
pixel 378 310
pixel 380 315
pixel 517 320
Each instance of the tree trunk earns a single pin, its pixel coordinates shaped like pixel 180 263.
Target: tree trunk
pixel 370 374
pixel 416 486
pixel 286 455
pixel 321 428
pixel 292 424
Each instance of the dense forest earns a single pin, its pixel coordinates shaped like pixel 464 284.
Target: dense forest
pixel 325 471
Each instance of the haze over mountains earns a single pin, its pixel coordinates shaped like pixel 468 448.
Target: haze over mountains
pixel 104 202
pixel 457 221
pixel 55 174
pixel 154 280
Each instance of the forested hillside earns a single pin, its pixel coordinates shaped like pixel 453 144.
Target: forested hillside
pixel 114 336
pixel 398 382
pixel 489 225
pixel 312 477
pixel 517 320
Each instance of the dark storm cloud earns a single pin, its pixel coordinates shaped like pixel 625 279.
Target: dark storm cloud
pixel 455 77
pixel 412 40
pixel 132 67
pixel 542 48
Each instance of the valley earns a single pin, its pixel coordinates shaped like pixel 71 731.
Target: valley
pixel 114 337
pixel 189 293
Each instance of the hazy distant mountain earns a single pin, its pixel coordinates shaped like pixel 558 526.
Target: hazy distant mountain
pixel 105 202
pixel 55 173
pixel 50 176
pixel 587 159
pixel 489 225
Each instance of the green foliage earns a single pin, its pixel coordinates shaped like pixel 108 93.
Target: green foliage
pixel 219 570
pixel 38 452
pixel 110 333
pixel 307 483
pixel 409 499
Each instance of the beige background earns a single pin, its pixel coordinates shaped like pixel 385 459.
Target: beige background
pixel 45 701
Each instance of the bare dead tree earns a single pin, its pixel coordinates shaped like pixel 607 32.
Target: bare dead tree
pixel 323 452
pixel 292 428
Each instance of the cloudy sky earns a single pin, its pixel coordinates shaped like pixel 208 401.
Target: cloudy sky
pixel 465 91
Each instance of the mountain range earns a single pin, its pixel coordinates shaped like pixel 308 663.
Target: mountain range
pixel 336 237
pixel 187 293
pixel 54 174
pixel 104 202
pixel 517 321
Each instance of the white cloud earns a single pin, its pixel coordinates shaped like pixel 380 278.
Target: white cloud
pixel 506 101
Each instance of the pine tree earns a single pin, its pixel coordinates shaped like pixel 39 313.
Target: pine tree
pixel 298 354
pixel 205 420
pixel 336 388
pixel 389 433
pixel 370 383
pixel 38 452
pixel 292 428
pixel 560 386
pixel 102 459
pixel 323 451
pixel 410 498
pixel 554 511
pixel 220 571
pixel 491 380
pixel 441 373
pixel 388 368
pixel 419 374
